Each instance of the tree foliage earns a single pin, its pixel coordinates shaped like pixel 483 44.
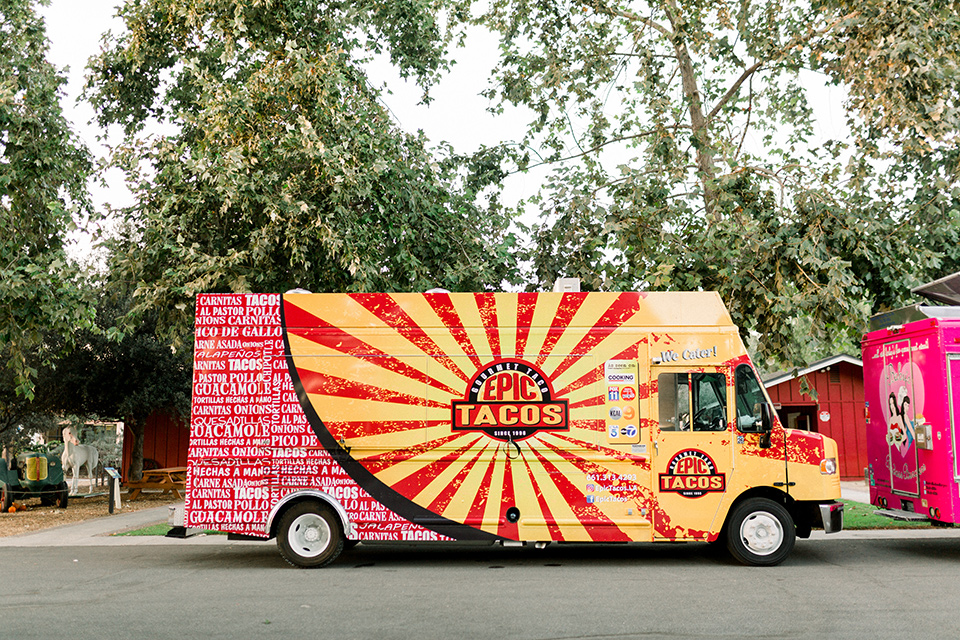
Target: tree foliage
pixel 43 171
pixel 128 377
pixel 686 152
pixel 280 166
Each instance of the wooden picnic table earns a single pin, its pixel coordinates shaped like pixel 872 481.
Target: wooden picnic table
pixel 169 480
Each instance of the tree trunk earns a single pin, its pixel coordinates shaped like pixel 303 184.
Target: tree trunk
pixel 135 427
pixel 698 121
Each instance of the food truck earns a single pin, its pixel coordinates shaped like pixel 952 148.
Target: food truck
pixel 911 372
pixel 324 420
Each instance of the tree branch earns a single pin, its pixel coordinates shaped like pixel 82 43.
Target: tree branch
pixel 642 134
pixel 733 90
pixel 633 17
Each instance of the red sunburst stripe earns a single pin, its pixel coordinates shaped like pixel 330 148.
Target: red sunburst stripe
pixel 570 303
pixel 387 310
pixel 479 506
pixel 442 501
pixel 299 322
pixel 598 525
pixel 596 373
pixel 548 518
pixel 526 305
pixel 441 305
pixel 422 476
pixel 610 453
pixel 364 428
pixel 328 385
pixel 487 306
pixel 507 529
pixel 385 460
pixel 622 309
pixel 592 401
pixel 587 424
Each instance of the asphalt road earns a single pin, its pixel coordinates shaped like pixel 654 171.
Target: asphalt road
pixel 840 588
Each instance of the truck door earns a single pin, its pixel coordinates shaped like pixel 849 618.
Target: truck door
pixel 692 453
pixel 760 458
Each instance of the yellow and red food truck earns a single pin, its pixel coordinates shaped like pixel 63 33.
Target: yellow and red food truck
pixel 325 419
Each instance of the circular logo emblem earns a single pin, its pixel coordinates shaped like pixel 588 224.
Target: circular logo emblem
pixel 628 393
pixel 692 473
pixel 510 400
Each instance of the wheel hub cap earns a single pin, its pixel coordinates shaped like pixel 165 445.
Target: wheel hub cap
pixel 761 533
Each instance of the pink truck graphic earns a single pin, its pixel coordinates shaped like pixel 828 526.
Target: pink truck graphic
pixel 911 371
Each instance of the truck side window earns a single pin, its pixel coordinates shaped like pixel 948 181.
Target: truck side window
pixel 692 401
pixel 749 398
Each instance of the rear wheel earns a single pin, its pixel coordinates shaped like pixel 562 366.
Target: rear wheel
pixel 63 494
pixel 309 535
pixel 760 532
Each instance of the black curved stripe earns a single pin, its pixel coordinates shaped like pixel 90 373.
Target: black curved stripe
pixel 378 490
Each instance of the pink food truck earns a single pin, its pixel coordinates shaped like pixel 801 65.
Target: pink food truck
pixel 911 372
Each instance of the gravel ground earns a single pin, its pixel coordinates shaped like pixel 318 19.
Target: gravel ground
pixel 79 508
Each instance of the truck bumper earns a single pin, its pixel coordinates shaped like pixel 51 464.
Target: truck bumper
pixel 832 515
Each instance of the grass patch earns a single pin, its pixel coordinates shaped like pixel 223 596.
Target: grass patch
pixel 857 515
pixel 160 529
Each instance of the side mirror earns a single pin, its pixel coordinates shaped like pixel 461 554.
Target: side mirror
pixel 766 418
pixel 766 424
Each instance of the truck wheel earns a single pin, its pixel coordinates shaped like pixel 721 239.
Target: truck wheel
pixel 760 532
pixel 63 492
pixel 309 535
pixel 6 498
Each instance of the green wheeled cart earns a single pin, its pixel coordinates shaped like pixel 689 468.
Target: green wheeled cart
pixel 33 474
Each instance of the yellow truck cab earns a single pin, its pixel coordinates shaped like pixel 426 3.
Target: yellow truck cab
pixel 321 419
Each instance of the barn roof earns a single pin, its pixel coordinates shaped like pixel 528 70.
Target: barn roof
pixel 782 376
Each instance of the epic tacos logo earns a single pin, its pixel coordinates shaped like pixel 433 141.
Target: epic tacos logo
pixel 692 473
pixel 510 400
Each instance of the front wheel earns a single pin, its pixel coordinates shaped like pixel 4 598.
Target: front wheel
pixel 760 532
pixel 309 535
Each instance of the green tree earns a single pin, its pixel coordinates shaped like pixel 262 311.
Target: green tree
pixel 280 166
pixel 43 172
pixel 127 376
pixel 685 151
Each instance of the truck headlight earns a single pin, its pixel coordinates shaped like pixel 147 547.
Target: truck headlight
pixel 828 466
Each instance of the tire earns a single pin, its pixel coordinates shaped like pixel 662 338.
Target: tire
pixel 760 532
pixel 6 498
pixel 63 494
pixel 309 535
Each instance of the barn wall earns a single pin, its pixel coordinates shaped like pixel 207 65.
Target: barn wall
pixel 165 441
pixel 842 400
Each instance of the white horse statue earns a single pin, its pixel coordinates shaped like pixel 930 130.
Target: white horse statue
pixel 76 455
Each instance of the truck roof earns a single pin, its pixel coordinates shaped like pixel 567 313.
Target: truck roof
pixel 656 309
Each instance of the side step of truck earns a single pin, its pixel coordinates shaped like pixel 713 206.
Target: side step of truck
pixel 900 514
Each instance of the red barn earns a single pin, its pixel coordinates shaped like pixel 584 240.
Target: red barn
pixel 165 439
pixel 837 411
